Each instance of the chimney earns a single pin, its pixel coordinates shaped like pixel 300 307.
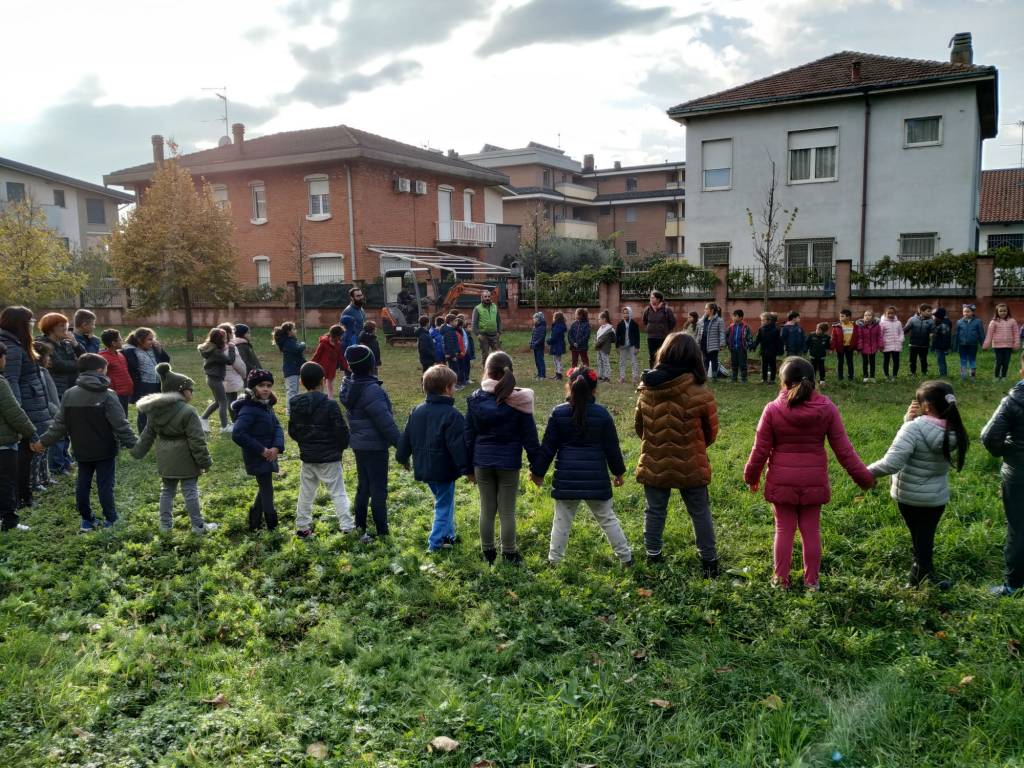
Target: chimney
pixel 588 163
pixel 158 149
pixel 855 71
pixel 238 131
pixel 618 165
pixel 963 52
pixel 452 153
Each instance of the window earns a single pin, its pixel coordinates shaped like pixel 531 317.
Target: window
pixel 917 245
pixel 809 255
pixel 328 268
pixel 15 191
pixel 66 242
pixel 1014 241
pixel 467 204
pixel 259 202
pixel 716 160
pixel 812 155
pixel 58 198
pixel 262 271
pixel 630 183
pixel 922 131
pixel 319 196
pixel 95 211
pixel 630 214
pixel 219 192
pixel 714 254
pixel 631 248
pixel 547 180
pixel 606 210
pixel 670 214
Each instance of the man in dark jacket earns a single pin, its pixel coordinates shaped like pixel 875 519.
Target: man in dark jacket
pixel 1003 436
pixel 318 428
pixel 91 416
pixel 434 438
pixel 919 332
pixel 659 322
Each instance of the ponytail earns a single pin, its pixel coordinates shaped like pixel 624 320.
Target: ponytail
pixel 797 375
pixel 281 332
pixel 138 336
pixel 939 395
pixel 580 385
pixel 499 368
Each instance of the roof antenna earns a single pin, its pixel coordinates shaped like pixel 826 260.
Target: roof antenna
pixel 559 139
pixel 221 92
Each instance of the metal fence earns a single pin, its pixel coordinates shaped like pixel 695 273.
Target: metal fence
pixel 638 284
pixel 801 282
pixel 556 292
pixel 891 285
pixel 1008 281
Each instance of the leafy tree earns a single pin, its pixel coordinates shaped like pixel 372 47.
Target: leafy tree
pixel 35 266
pixel 175 246
pixel 769 242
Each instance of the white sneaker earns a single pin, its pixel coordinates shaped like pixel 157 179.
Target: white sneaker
pixel 227 430
pixel 22 527
pixel 210 527
pixel 865 380
pixel 206 425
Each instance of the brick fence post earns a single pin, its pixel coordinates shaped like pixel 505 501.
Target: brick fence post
pixel 722 286
pixel 844 277
pixel 609 297
pixel 984 284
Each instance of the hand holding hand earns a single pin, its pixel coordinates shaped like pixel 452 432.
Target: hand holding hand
pixel 37 447
pixel 270 454
pixel 618 481
pixel 754 487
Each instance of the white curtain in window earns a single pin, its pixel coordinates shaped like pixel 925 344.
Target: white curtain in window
pixel 467 205
pixel 824 162
pixel 263 272
pixel 716 157
pixel 328 269
pixel 799 164
pixel 923 130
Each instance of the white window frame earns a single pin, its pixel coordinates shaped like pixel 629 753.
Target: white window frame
pixel 705 247
pixel 914 145
pixel 918 236
pixel 630 215
pixel 809 258
pixel 813 163
pixel 467 205
pixel 324 257
pixel 704 171
pixel 219 193
pixel 262 262
pixel 254 188
pixel 318 203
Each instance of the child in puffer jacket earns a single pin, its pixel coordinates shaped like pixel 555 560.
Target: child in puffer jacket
pixel 258 432
pixel 540 329
pixel 292 351
pixel 1003 337
pixel 556 344
pixel 328 355
pixel 791 440
pixel 217 356
pixel 892 343
pixel 236 371
pixel 919 460
pixel 579 338
pixel 868 339
pixel 967 337
pixel 603 343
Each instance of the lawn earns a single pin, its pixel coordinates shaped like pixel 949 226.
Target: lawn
pixel 125 648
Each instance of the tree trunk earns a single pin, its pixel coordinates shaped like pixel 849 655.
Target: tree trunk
pixel 302 297
pixel 186 302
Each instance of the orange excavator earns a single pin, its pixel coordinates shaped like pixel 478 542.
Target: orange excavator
pixel 405 300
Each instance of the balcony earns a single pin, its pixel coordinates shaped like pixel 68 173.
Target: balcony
pixel 578 191
pixel 674 185
pixel 466 233
pixel 574 228
pixel 675 228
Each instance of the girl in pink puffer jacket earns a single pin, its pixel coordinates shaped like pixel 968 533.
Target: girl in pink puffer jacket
pixel 868 340
pixel 1003 336
pixel 892 343
pixel 791 440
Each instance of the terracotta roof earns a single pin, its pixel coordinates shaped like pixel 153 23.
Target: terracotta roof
pixel 1002 196
pixel 58 178
pixel 306 145
pixel 832 77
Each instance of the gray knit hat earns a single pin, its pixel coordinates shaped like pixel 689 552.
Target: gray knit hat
pixel 538 315
pixel 171 381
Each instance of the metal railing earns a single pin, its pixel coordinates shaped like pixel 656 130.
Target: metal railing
pixel 895 285
pixel 555 292
pixel 638 284
pixel 1008 281
pixel 476 232
pixel 807 282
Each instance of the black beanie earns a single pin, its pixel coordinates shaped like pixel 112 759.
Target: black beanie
pixel 360 358
pixel 258 376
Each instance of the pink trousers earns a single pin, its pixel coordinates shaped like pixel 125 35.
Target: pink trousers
pixel 787 519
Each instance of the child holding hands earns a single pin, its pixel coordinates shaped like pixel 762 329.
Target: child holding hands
pixel 258 432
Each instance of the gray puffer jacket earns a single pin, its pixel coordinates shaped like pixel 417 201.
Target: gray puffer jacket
pixel 1003 436
pixel 920 473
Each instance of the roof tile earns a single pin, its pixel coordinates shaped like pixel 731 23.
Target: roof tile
pixel 1002 196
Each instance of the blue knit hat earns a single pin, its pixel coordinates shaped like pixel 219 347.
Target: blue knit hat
pixel 241 329
pixel 360 358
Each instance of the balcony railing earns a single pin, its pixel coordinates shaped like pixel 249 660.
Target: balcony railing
pixel 575 228
pixel 466 232
pixel 579 191
pixel 675 228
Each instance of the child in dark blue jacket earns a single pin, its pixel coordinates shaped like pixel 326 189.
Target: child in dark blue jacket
pixel 581 439
pixel 291 352
pixel 425 343
pixel 372 432
pixel 258 432
pixel 540 329
pixel 556 344
pixel 435 336
pixel 434 438
pixel 579 338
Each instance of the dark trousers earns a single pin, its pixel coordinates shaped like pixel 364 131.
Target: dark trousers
pixel 867 365
pixel 538 360
pixel 738 363
pixel 711 363
pixel 24 464
pixel 125 401
pixel 426 362
pixel 769 367
pixel 845 357
pixel 1013 506
pixel 819 367
pixel 653 345
pixel 263 510
pixel 372 489
pixel 580 356
pixel 922 522
pixel 918 354
pixel 892 358
pixel 8 489
pixel 1003 355
pixel 59 456
pixel 104 474
pixel 940 359
pixel 143 390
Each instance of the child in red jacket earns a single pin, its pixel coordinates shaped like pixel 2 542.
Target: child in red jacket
pixel 330 355
pixel 791 439
pixel 117 367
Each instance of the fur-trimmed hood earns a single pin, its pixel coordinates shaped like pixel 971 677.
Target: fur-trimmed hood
pixel 151 403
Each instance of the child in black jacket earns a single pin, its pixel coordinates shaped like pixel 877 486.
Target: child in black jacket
pixel 368 338
pixel 425 343
pixel 769 340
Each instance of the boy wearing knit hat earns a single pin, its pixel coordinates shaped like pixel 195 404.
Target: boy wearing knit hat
pixel 258 432
pixel 540 331
pixel 372 432
pixel 181 452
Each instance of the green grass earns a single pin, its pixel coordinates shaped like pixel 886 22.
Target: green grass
pixel 374 650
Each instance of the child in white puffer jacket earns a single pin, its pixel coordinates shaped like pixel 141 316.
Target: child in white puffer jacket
pixel 919 460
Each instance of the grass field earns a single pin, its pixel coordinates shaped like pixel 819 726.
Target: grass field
pixel 125 648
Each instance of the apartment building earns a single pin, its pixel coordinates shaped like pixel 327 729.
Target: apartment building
pixel 643 205
pixel 1001 212
pixel 81 213
pixel 881 156
pixel 354 193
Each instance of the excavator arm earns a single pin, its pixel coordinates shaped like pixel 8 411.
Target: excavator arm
pixel 457 290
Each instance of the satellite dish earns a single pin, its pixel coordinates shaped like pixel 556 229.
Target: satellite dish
pixel 223 141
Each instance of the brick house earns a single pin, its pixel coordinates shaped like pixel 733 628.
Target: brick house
pixel 350 190
pixel 643 203
pixel 1001 212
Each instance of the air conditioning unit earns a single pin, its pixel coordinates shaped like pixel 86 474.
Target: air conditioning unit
pixel 401 185
pixel 421 187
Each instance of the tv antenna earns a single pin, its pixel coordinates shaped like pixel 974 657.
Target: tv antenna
pixel 221 92
pixel 1020 125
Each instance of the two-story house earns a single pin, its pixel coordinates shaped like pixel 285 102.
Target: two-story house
pixel 351 191
pixel 642 204
pixel 879 155
pixel 81 213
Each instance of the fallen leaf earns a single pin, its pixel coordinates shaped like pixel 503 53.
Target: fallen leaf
pixel 428 568
pixel 630 679
pixel 81 733
pixel 858 499
pixel 639 655
pixel 644 592
pixel 396 569
pixel 95 627
pixel 512 596
pixel 662 703
pixel 1013 646
pixel 64 636
pixel 318 750
pixel 503 647
pixel 966 680
pixel 586 765
pixel 604 619
pixel 220 701
pixel 723 670
pixel 483 764
pixel 422 718
pixel 941 635
pixel 442 744
pixel 596 660
pixel 772 702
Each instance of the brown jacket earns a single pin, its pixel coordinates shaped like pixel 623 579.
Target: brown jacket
pixel 676 422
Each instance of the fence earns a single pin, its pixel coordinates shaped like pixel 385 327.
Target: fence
pixel 698 285
pixel 558 292
pixel 785 282
pixel 1008 281
pixel 885 285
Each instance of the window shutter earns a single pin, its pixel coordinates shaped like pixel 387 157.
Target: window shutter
pixel 319 187
pixel 825 137
pixel 718 154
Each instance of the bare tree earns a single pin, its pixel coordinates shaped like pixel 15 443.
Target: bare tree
pixel 769 242
pixel 300 260
pixel 533 240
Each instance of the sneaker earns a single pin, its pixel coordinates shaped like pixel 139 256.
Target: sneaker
pixel 109 523
pixel 490 555
pixel 447 542
pixel 866 379
pixel 366 538
pixel 206 426
pixel 779 584
pixel 21 527
pixel 304 533
pixel 626 563
pixel 812 588
pixel 655 558
pixel 207 528
pixel 709 568
pixel 345 531
pixel 87 526
pixel 512 557
pixel 227 430
pixel 1002 590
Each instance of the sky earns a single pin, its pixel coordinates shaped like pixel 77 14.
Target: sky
pixel 86 85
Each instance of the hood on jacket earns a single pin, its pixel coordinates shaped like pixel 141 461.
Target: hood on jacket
pixel 934 431
pixel 663 375
pixel 94 382
pixel 629 311
pixel 939 313
pixel 251 401
pixel 810 413
pixel 307 403
pixel 162 401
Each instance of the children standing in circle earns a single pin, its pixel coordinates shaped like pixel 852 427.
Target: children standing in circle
pixel 739 341
pixel 291 350
pixel 499 426
pixel 818 344
pixel 842 343
pixel 942 338
pixel 603 343
pixel 967 337
pixel 919 460
pixel 1003 337
pixel 892 344
pixel 579 338
pixel 627 340
pixel 676 420
pixel 868 339
pixel 791 440
pixel 581 435
pixel 769 340
pixel 540 330
pixel 142 352
pixel 556 344
pixel 258 433
pixel 711 337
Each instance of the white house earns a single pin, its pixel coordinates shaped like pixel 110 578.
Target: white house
pixel 1002 209
pixel 880 155
pixel 81 213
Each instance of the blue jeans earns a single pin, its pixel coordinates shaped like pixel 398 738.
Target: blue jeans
pixel 538 360
pixel 104 472
pixel 59 457
pixel 444 514
pixel 968 358
pixel 940 357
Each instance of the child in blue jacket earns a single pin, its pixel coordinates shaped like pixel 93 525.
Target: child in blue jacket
pixel 435 336
pixel 258 432
pixel 579 338
pixel 291 352
pixel 968 336
pixel 556 344
pixel 372 431
pixel 540 329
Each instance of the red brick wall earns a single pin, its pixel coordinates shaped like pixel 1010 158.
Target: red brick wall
pixel 648 181
pixel 648 229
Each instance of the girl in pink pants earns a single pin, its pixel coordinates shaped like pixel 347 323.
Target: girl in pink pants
pixel 791 440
